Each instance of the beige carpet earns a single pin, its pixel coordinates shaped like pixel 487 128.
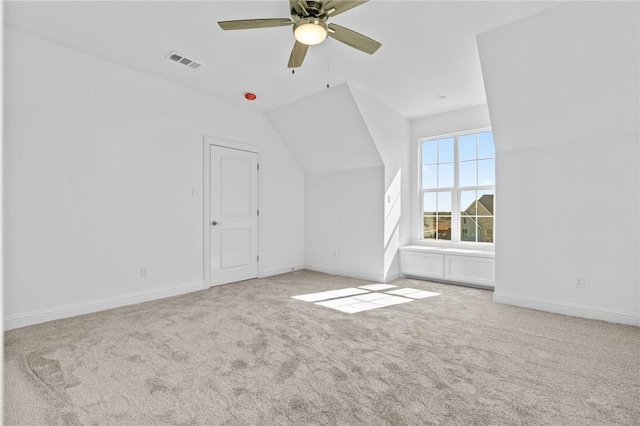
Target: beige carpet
pixel 249 354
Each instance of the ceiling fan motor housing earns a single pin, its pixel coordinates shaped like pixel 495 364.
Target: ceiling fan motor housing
pixel 312 9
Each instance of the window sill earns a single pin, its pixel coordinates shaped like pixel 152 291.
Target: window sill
pixel 451 250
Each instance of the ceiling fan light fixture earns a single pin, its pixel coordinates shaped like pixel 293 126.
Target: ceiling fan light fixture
pixel 309 23
pixel 310 31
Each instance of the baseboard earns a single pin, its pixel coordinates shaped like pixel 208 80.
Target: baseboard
pixel 359 275
pixel 279 271
pixel 392 277
pixel 37 317
pixel 572 309
pixel 449 282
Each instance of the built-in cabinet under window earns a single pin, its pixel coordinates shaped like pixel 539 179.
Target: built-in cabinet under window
pixel 476 267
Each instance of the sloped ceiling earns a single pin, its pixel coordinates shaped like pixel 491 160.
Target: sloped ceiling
pixel 326 132
pixel 388 129
pixel 428 47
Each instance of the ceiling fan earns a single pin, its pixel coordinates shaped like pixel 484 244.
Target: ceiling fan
pixel 309 20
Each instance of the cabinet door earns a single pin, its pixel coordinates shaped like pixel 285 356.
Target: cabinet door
pixel 428 265
pixel 467 269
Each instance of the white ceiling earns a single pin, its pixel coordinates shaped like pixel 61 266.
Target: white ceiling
pixel 428 47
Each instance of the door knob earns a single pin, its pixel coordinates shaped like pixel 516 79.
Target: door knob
pixel 214 223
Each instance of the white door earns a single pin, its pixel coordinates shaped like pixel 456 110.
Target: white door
pixel 233 215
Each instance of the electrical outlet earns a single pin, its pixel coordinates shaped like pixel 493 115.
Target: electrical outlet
pixel 580 281
pixel 144 272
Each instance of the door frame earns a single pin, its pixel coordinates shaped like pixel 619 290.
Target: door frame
pixel 206 197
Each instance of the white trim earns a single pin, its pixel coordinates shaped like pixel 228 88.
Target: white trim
pixel 452 134
pixel 37 317
pixel 206 194
pixel 456 190
pixel 466 245
pixel 422 277
pixel 280 271
pixel 455 251
pixel 332 271
pixel 392 277
pixel 572 309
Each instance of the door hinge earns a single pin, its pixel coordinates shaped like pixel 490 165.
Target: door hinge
pixel 258 166
pixel 258 258
pixel 258 212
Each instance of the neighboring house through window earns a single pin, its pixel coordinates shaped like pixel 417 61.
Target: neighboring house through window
pixel 457 182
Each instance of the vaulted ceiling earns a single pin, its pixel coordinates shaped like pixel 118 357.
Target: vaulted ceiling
pixel 428 47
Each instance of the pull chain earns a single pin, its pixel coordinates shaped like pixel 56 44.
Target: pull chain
pixel 327 72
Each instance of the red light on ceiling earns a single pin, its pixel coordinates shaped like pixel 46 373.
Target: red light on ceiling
pixel 250 96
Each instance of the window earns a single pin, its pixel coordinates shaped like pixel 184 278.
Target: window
pixel 457 184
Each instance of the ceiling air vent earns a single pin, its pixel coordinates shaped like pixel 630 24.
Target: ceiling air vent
pixel 176 57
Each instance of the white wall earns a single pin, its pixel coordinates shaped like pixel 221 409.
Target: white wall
pixel 390 132
pixel 563 93
pixel 344 217
pixel 473 118
pixel 356 134
pixel 100 162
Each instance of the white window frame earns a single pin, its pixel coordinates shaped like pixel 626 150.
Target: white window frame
pixel 455 199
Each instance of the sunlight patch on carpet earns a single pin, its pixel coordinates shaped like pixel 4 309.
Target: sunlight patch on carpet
pixel 331 294
pixel 352 300
pixel 357 307
pixel 412 293
pixel 314 297
pixel 377 287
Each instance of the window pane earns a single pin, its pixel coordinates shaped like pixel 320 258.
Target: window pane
pixel 468 203
pixel 429 203
pixel 467 147
pixel 444 227
pixel 468 228
pixel 467 173
pixel 486 149
pixel 445 175
pixel 485 229
pixel 429 177
pixel 485 203
pixel 443 179
pixel 486 172
pixel 445 150
pixel 444 203
pixel 429 227
pixel 429 152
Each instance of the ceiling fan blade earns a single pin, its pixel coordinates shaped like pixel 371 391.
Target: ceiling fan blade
pixel 342 5
pixel 246 24
pixel 298 7
pixel 297 55
pixel 353 39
